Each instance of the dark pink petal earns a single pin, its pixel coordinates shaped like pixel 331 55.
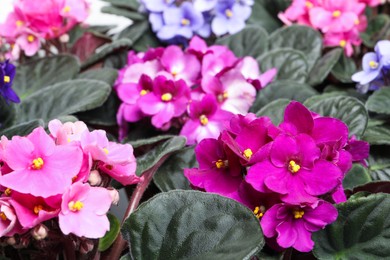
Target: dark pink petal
pixel 309 152
pixel 208 151
pixel 299 116
pixel 269 222
pixel 324 214
pixel 151 104
pixel 330 130
pixel 338 195
pixel 163 116
pixel 358 149
pixel 284 148
pixel 287 235
pixel 344 161
pixel 304 243
pixel 259 172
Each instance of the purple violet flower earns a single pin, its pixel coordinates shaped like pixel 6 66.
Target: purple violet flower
pixel 372 66
pixel 157 5
pixel 7 74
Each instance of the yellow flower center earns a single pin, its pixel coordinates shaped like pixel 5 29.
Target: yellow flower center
pixel 75 206
pixel 185 21
pixel 248 153
pixel 229 13
pixel 37 208
pixel 105 150
pixel 7 79
pixel 222 97
pixel 293 167
pixel 357 22
pixel 3 216
pixel 66 9
pixel 203 120
pixel 343 43
pixel 19 23
pixel 336 13
pixel 298 213
pixel 30 38
pixel 37 164
pixel 143 92
pixel 373 64
pixel 7 191
pixel 222 164
pixel 166 97
pixel 308 4
pixel 259 211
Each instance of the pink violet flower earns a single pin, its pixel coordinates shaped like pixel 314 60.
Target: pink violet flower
pixel 205 120
pixel 292 225
pixel 298 11
pixel 41 168
pixel 123 173
pixel 9 223
pixel 250 70
pixel 344 40
pixel 67 132
pixel 169 99
pixel 83 211
pixel 29 42
pixel 75 9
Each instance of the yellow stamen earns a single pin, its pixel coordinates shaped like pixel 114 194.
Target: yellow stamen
pixel 343 43
pixel 298 213
pixel 143 92
pixel 259 211
pixel 166 97
pixel 229 13
pixel 248 153
pixel 7 79
pixel 7 191
pixel 174 71
pixel 336 13
pixel 19 23
pixel 222 164
pixel 3 216
pixel 75 206
pixel 66 9
pixel 293 167
pixel 37 208
pixel 308 4
pixel 74 179
pixel 357 22
pixel 185 21
pixel 37 164
pixel 373 64
pixel 223 96
pixel 30 38
pixel 203 120
pixel 105 150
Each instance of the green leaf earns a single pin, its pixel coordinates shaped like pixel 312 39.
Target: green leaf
pixel 22 129
pixel 298 37
pixel 348 109
pixel 109 238
pixel 378 28
pixel 193 225
pixel 357 176
pixel 132 15
pixel 135 31
pixel 291 64
pixel 131 4
pixel 35 75
pixel 361 231
pixel 107 49
pixel 379 163
pixel 282 89
pixel 107 75
pixel 344 69
pixel 7 113
pixel 146 41
pixel 379 101
pixel 251 41
pixel 274 110
pixel 377 135
pixel 64 98
pixel 161 151
pixel 324 66
pixel 170 175
pixel 261 17
pixel 152 140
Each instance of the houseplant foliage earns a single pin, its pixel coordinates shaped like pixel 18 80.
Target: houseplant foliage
pixel 231 130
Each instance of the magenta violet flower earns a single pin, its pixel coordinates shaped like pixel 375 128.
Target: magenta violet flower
pixel 9 224
pixel 83 211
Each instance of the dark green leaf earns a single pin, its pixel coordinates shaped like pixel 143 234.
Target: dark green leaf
pixel 291 64
pixel 152 140
pixel 109 238
pixel 261 17
pixel 148 160
pixel 132 15
pixel 344 69
pixel 135 31
pixel 379 101
pixel 41 73
pixel 107 75
pixel 116 60
pixel 374 187
pixel 131 4
pixel 379 162
pixel 357 176
pixel 377 135
pixel 274 110
pixel 378 28
pixel 170 175
pixel 193 225
pixel 146 41
pixel 361 231
pixel 107 49
pixel 324 66
pixel 64 98
pixel 22 129
pixel 7 113
pixel 251 41
pixel 283 89
pixel 348 109
pixel 301 38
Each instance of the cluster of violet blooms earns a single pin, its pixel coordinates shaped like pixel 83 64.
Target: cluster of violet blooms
pixel 60 180
pixel 341 22
pixel 177 21
pixel 7 75
pixel 195 89
pixel 284 174
pixel 376 68
pixel 33 22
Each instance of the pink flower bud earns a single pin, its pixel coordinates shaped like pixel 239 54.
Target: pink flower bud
pixel 114 195
pixel 94 178
pixel 39 232
pixel 86 246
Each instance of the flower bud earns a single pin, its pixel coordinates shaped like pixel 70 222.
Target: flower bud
pixel 39 232
pixel 86 246
pixel 64 38
pixel 94 178
pixel 11 241
pixel 114 195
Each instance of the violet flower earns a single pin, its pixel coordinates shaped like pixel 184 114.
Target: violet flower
pixel 372 67
pixel 7 74
pixel 157 5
